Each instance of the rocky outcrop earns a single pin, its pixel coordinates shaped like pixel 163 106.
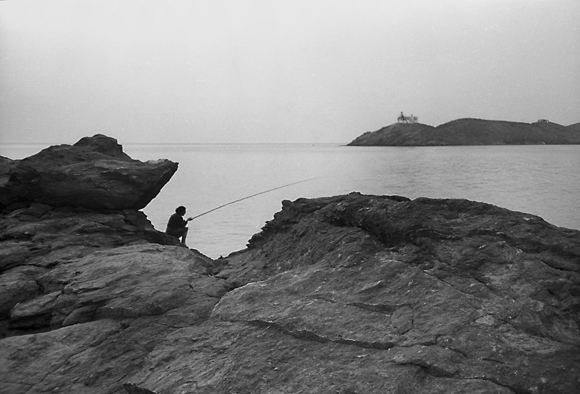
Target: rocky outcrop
pixel 373 294
pixel 86 294
pixel 471 132
pixel 40 240
pixel 94 173
pixel 344 294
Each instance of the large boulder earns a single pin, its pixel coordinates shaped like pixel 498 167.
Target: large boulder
pixel 94 173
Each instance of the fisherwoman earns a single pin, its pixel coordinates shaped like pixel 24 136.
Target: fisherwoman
pixel 177 226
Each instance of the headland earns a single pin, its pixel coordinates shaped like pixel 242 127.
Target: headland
pixel 471 132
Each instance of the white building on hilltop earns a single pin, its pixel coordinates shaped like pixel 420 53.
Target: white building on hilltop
pixel 407 119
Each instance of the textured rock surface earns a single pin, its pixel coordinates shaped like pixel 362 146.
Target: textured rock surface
pixel 346 294
pixel 107 312
pixel 94 173
pixel 367 294
pixel 86 295
pixel 471 132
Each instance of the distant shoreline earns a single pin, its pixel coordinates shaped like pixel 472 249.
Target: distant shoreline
pixel 471 132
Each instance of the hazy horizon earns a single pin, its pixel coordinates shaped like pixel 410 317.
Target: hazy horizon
pixel 279 72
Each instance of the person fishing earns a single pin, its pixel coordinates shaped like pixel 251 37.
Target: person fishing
pixel 177 226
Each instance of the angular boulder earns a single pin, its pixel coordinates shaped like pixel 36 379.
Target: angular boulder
pixel 94 173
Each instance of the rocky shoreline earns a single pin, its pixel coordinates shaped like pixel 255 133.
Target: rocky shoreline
pixel 343 294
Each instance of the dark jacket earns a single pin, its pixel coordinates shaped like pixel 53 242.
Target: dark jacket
pixel 176 221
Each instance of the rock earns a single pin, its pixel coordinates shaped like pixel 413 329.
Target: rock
pixel 94 173
pixel 87 292
pixel 50 253
pixel 16 286
pixel 375 294
pixel 113 308
pixel 470 132
pixel 133 389
pixel 34 313
pixel 344 294
pixel 402 319
pixel 45 236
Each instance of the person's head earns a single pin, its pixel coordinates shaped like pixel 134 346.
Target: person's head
pixel 180 210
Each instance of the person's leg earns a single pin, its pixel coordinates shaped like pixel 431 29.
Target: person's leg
pixel 179 233
pixel 184 236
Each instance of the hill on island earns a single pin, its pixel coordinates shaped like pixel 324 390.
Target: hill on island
pixel 471 132
pixel 575 127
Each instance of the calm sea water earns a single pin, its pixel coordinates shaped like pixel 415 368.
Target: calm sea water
pixel 541 180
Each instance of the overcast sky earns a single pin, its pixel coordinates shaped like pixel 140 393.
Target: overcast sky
pixel 280 71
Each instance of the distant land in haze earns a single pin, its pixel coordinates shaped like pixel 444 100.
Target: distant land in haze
pixel 470 131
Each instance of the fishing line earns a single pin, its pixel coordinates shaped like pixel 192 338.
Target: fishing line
pixel 253 195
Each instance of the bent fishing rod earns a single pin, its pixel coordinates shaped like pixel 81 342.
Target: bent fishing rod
pixel 253 195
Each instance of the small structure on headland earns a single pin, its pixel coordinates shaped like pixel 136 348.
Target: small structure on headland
pixel 407 119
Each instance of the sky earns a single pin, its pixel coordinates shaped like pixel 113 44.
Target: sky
pixel 273 71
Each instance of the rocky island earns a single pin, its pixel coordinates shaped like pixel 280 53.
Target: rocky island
pixel 344 294
pixel 471 132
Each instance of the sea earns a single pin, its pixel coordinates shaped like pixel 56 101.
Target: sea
pixel 248 182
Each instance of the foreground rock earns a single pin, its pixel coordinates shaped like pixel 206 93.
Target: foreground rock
pixel 85 294
pixel 348 294
pixel 41 246
pixel 94 173
pixel 471 132
pixel 107 312
pixel 369 294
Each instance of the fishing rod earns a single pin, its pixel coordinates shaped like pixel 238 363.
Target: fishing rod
pixel 253 195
